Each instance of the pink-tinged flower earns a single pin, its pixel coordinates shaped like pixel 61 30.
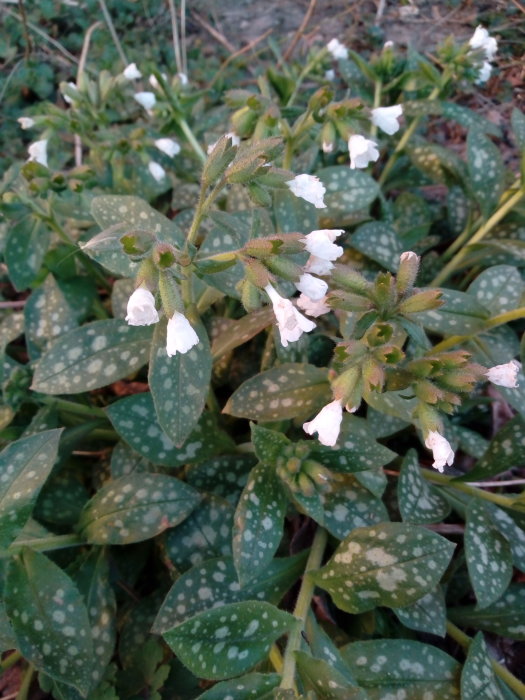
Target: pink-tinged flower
pixel 505 375
pixel 409 256
pixel 291 323
pixel 146 99
pixel 38 152
pixel 441 449
pixel 141 308
pixel 168 146
pixel 337 49
pixel 233 138
pixel 312 286
pixel 25 122
pixel 311 307
pixel 156 171
pixel 362 151
pixel 481 39
pixel 386 118
pixel 327 423
pixel 131 72
pixel 181 337
pixel 309 188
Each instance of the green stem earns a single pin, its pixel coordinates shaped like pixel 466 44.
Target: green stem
pixel 43 544
pixel 301 608
pixel 288 154
pixel 498 320
pixel 448 481
pixel 78 409
pixel 465 641
pixel 26 683
pixel 191 138
pixel 302 75
pixel 10 660
pixel 378 88
pixel 113 32
pixel 498 215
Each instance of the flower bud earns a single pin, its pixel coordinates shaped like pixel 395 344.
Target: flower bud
pixel 348 302
pixel 384 292
pixel 346 385
pixel 351 280
pixel 164 256
pixel 243 121
pixel 218 160
pixel 250 297
pixel 262 247
pixel 256 273
pixel 428 392
pixel 373 375
pixel 328 137
pixel 421 301
pixel 170 294
pixel 285 268
pixel 407 272
pixel 259 195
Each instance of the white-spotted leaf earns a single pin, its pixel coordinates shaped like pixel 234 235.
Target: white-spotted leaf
pixel 232 333
pixel 512 531
pixel 125 461
pixel 92 356
pixel 293 213
pixel 383 425
pixel 460 313
pixel 268 444
pixel 254 686
pixel 428 614
pixel 478 681
pixel 379 242
pixel 26 244
pixel 498 288
pixel 389 564
pixel 486 170
pixel 224 476
pixel 349 505
pixel 135 508
pixel 518 127
pixel 505 617
pixel 217 644
pixel 348 193
pixel 418 501
pixel 319 677
pixel 506 450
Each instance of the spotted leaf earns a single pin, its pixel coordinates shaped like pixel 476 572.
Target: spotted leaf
pixel 518 127
pixel 477 678
pixel 268 444
pixel 349 505
pixel 26 244
pixel 319 677
pixel 258 523
pixel 287 391
pixel 49 619
pixel 135 508
pixel 514 534
pixel 505 617
pixel 124 461
pixel 224 476
pixel 418 501
pixel 252 686
pixel 390 564
pixel 348 192
pixel 92 356
pixel 179 384
pixel 488 554
pixel 217 644
pixel 460 313
pixel 486 170
pixel 498 288
pixel 24 467
pixel 382 666
pixel 293 213
pixel 428 614
pixel 232 333
pixel 379 242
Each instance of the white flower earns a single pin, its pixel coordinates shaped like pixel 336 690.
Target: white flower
pixel 362 151
pixel 292 324
pixel 388 45
pixel 408 256
pixel 329 75
pixel 505 375
pixel 131 72
pixel 311 307
pixel 386 118
pixel 310 188
pixel 155 83
pixel 168 146
pixel 484 72
pixel 25 122
pixel 157 171
pixel 183 78
pixel 337 49
pixel 145 99
pixel 180 336
pixel 141 308
pixel 441 449
pixel 38 152
pixel 68 99
pixel 318 266
pixel 233 138
pixel 312 286
pixel 321 244
pixel 328 146
pixel 481 39
pixel 327 423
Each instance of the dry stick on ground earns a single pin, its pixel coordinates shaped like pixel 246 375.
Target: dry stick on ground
pixel 238 53
pixel 80 71
pixel 215 34
pixel 175 35
pixel 300 31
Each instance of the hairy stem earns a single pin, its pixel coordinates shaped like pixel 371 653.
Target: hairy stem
pixel 448 481
pixel 23 691
pixel 43 544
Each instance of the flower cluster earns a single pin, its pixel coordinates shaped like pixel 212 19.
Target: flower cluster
pixel 486 45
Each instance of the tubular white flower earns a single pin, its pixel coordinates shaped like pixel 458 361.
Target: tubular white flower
pixel 484 73
pixel 362 151
pixel 183 78
pixel 309 188
pixel 131 72
pixel 311 307
pixel 320 243
pixel 337 49
pixel 505 375
pixel 481 39
pixel 291 323
pixel 141 308
pixel 312 286
pixel 386 118
pixel 25 122
pixel 441 449
pixel 38 152
pixel 145 99
pixel 327 423
pixel 233 138
pixel 168 146
pixel 318 266
pixel 152 80
pixel 156 171
pixel 180 335
pixel 329 75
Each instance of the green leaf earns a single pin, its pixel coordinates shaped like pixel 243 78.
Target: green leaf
pixel 488 555
pixel 258 523
pixel 287 391
pixel 498 288
pixel 224 476
pixel 125 461
pixel 398 404
pixel 390 564
pixel 412 218
pixel 179 384
pixel 62 498
pixel 225 642
pixel 469 119
pixel 428 614
pixel 379 242
pixel 47 316
pixel 478 681
pixel 49 619
pixel 268 444
pixel 26 244
pixel 458 208
pixel 254 686
pixel 213 583
pixel 460 313
pixel 24 467
pixel 350 505
pixel 92 356
pixel 505 617
pixel 232 333
pixel 323 647
pixel 514 534
pixel 358 444
pixel 383 666
pixel 324 681
pixel 438 163
pixel 383 425
pixel 486 170
pixel 518 127
pixel 293 213
pixel 135 421
pixel 418 501
pixel 348 192
pixel 471 442
pixel 135 508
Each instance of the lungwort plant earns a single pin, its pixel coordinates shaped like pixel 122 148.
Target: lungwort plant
pixel 249 355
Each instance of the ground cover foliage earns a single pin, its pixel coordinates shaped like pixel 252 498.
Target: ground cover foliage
pixel 211 487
